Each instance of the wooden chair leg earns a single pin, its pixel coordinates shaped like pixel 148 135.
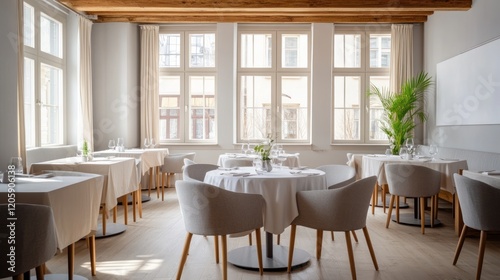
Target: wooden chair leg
pixel 115 213
pixel 370 247
pixel 384 192
pixel 391 203
pixel 319 242
pixel 40 272
pixel 259 250
pixel 104 219
pixel 91 240
pixel 422 214
pixel 333 236
pixel 460 244
pixel 291 247
pixel 216 244
pixel 433 208
pixel 397 208
pixel 351 254
pixel 185 252
pixel 278 239
pixel 71 260
pixel 224 257
pixel 354 236
pixel 250 239
pixel 482 245
pixel 125 208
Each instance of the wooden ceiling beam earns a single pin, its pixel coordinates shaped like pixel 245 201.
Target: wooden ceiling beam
pixel 162 5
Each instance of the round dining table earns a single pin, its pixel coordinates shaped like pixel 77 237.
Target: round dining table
pixel 279 188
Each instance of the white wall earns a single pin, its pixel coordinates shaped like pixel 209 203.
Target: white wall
pixel 448 34
pixel 8 82
pixel 115 83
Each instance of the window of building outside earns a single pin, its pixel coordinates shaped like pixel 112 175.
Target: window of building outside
pixel 274 83
pixel 187 85
pixel 361 58
pixel 44 74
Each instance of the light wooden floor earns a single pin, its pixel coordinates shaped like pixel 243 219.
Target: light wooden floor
pixel 151 249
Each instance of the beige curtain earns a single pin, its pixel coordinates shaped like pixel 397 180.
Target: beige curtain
pixel 21 134
pixel 85 30
pixel 149 81
pixel 401 55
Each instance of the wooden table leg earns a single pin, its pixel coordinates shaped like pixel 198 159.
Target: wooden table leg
pixel 134 204
pixel 71 260
pixel 92 254
pixel 459 222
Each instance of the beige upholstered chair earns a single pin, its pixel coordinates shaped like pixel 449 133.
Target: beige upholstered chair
pixel 343 209
pixel 209 210
pixel 480 208
pixel 197 171
pixel 172 164
pixel 35 235
pixel 415 181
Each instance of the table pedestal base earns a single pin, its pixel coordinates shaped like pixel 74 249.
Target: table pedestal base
pixel 60 277
pixel 144 198
pixel 410 220
pixel 246 257
pixel 112 229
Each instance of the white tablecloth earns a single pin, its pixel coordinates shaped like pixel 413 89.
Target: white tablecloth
pixel 375 165
pixel 278 188
pixel 74 199
pixel 120 174
pixel 292 160
pixel 149 157
pixel 493 180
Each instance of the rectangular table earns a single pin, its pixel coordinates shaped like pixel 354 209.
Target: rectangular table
pixel 120 177
pixel 74 198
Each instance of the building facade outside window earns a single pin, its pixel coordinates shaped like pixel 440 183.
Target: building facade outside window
pixel 273 93
pixel 187 85
pixel 361 58
pixel 44 74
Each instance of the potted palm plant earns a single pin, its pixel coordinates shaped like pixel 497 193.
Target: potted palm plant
pixel 402 108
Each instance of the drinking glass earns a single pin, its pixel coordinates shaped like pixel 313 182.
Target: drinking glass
pixel 147 143
pixel 403 153
pixel 281 158
pixel 409 144
pixel 119 142
pixel 433 150
pixel 111 144
pixel 388 152
pixel 18 164
pixel 152 143
pixel 244 148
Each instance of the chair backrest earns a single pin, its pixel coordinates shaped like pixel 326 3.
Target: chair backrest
pixel 209 210
pixel 342 209
pixel 479 203
pixel 197 171
pixel 173 163
pixel 237 162
pixel 412 180
pixel 35 237
pixel 338 175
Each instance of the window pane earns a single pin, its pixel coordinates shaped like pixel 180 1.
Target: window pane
pixel 29 26
pixel 170 90
pixel 255 107
pixel 294 51
pixel 50 35
pixel 170 50
pixel 29 101
pixel 376 111
pixel 347 51
pixel 347 93
pixel 380 50
pixel 51 104
pixel 202 107
pixel 256 51
pixel 202 50
pixel 295 104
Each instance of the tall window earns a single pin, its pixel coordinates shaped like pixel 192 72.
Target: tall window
pixel 274 83
pixel 187 86
pixel 44 68
pixel 361 58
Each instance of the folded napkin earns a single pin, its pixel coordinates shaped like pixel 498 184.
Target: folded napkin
pixel 227 168
pixel 493 172
pixel 236 174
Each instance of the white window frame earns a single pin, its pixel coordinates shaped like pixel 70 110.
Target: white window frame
pixel 275 72
pixel 184 72
pixel 39 57
pixel 364 72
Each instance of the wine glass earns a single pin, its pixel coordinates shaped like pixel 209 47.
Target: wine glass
pixel 18 164
pixel 119 142
pixel 152 143
pixel 147 143
pixel 111 144
pixel 244 148
pixel 281 157
pixel 433 150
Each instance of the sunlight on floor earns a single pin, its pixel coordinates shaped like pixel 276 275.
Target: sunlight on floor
pixel 123 268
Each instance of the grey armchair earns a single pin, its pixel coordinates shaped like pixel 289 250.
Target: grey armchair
pixel 413 181
pixel 197 171
pixel 480 208
pixel 172 164
pixel 209 210
pixel 35 239
pixel 343 209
